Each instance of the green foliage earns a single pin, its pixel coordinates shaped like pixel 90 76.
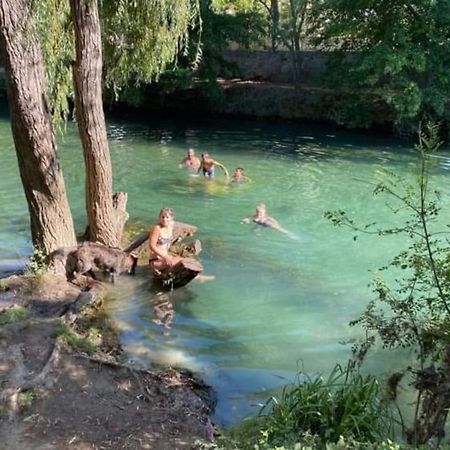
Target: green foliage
pixel 26 399
pixel 295 16
pixel 203 58
pixel 396 50
pixel 75 341
pixel 414 310
pixel 13 314
pixel 142 37
pixel 4 286
pixel 37 265
pixel 53 23
pixel 244 27
pixel 314 412
pixel 418 307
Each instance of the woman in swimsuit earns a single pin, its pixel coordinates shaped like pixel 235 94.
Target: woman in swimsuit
pixel 160 240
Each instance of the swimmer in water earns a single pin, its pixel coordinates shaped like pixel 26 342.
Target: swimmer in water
pixel 239 176
pixel 190 161
pixel 261 218
pixel 207 166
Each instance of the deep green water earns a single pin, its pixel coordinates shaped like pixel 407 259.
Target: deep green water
pixel 276 303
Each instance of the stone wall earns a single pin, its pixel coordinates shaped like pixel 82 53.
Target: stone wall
pixel 278 67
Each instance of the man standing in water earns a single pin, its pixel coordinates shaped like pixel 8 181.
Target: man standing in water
pixel 208 165
pixel 191 161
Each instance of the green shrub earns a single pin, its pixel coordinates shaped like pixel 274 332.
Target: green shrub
pixel 37 265
pixel 75 341
pixel 347 405
pixel 26 399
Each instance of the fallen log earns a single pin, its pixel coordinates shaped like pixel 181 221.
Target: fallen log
pixel 186 249
pixel 179 275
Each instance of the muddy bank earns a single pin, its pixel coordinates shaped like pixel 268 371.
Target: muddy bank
pixel 62 385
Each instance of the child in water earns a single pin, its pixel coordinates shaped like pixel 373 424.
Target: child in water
pixel 239 176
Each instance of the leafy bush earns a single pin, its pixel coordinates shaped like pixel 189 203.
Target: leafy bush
pixel 345 407
pixel 346 404
pixel 413 310
pixel 37 265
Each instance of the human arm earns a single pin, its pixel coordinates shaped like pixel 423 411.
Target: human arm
pixel 217 163
pixel 273 223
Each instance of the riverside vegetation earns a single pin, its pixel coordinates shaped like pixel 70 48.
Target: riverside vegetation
pixel 352 410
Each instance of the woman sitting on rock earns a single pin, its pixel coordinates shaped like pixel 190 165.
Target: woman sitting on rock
pixel 160 240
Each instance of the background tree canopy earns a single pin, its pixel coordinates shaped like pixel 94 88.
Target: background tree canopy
pixel 389 54
pixel 397 50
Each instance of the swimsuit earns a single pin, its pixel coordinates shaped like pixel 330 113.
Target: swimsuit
pixel 263 223
pixel 164 241
pixel 208 172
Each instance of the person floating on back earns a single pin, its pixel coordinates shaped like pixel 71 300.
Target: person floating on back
pixel 207 166
pixel 190 161
pixel 261 218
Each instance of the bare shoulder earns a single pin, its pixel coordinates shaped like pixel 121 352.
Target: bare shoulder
pixel 154 229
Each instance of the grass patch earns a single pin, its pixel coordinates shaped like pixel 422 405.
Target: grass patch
pixel 76 342
pixel 26 399
pixel 4 286
pixel 13 314
pixel 346 410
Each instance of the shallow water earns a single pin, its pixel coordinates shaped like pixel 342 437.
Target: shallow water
pixel 277 303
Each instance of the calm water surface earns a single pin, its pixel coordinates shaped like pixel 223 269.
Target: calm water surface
pixel 277 304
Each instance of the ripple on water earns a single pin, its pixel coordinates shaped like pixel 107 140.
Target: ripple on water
pixel 276 303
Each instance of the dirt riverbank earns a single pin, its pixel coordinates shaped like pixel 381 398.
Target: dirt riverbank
pixel 62 385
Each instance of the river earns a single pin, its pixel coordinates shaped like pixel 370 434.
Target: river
pixel 277 303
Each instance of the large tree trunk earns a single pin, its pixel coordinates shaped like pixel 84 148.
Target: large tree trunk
pixel 43 183
pixel 275 19
pixel 87 73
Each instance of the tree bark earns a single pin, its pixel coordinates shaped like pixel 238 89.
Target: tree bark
pixel 275 19
pixel 87 74
pixel 40 171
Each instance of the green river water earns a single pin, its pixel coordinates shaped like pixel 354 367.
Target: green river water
pixel 277 303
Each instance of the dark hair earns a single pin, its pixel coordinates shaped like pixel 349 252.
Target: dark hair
pixel 239 168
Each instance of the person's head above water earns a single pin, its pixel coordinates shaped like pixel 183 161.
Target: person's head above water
pixel 190 153
pixel 260 208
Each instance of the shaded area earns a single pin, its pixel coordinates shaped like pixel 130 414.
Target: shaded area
pixel 63 386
